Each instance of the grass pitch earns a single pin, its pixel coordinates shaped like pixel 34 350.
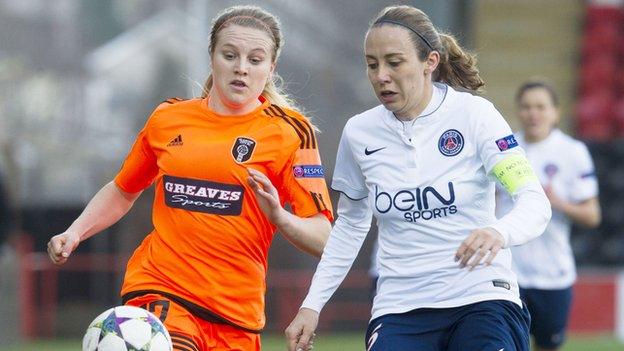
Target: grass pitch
pixel 331 342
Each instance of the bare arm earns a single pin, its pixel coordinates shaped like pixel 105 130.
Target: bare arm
pixel 105 209
pixel 307 234
pixel 585 213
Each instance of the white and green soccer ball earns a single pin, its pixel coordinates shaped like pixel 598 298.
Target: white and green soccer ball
pixel 126 328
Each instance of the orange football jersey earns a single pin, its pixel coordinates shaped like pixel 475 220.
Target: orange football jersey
pixel 209 246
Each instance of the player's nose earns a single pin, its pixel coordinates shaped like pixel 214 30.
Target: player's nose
pixel 241 67
pixel 382 76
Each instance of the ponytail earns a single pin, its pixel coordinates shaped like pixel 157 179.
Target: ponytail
pixel 458 67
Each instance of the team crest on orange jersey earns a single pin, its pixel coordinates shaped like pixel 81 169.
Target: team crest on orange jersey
pixel 243 149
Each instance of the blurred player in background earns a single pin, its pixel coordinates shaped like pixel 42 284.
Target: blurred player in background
pixel 424 163
pixel 545 266
pixel 223 167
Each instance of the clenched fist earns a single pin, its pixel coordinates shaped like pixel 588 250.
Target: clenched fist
pixel 61 246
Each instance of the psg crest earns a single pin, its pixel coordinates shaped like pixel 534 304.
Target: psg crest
pixel 242 149
pixel 451 142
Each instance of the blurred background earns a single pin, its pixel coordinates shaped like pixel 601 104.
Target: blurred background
pixel 78 78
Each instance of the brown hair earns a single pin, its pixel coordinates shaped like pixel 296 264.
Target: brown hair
pixel 538 84
pixel 457 67
pixel 257 18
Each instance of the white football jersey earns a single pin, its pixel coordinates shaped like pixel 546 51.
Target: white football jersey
pixel 565 165
pixel 427 184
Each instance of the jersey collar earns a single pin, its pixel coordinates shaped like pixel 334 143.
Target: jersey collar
pixel 264 103
pixel 440 92
pixel 554 135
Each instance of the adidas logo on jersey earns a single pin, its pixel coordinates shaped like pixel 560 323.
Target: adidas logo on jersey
pixel 177 141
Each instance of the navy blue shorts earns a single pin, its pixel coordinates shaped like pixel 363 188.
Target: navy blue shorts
pixel 488 325
pixel 549 313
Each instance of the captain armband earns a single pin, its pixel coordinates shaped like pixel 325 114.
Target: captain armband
pixel 514 172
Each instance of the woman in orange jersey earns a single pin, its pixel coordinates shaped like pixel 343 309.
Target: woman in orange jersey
pixel 223 166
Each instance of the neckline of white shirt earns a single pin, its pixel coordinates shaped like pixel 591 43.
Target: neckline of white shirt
pixel 544 143
pixel 440 91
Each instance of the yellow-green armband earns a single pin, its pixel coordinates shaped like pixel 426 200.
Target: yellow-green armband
pixel 514 172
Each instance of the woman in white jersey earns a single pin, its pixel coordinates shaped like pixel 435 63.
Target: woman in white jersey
pixel 424 164
pixel 545 266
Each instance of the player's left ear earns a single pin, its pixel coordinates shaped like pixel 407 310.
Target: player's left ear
pixel 431 62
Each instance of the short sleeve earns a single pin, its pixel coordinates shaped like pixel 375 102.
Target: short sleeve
pixel 303 182
pixel 348 178
pixel 584 182
pixel 495 140
pixel 140 167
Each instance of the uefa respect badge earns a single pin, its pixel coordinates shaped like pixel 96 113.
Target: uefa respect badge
pixel 308 171
pixel 506 143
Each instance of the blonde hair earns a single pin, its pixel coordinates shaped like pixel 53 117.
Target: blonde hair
pixel 457 67
pixel 257 18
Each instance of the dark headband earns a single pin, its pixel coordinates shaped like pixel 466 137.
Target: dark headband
pixel 405 26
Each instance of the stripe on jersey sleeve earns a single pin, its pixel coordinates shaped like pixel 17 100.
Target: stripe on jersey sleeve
pixel 172 100
pixel 269 111
pixel 303 129
pixel 318 201
pixel 304 125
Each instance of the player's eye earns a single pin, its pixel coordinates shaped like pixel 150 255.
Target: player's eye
pixel 372 65
pixel 394 63
pixel 255 60
pixel 229 55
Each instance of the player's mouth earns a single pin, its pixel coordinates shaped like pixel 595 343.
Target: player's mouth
pixel 238 84
pixel 387 96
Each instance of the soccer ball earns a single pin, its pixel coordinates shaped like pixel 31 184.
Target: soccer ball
pixel 126 328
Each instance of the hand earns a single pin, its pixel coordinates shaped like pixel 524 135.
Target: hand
pixel 300 333
pixel 266 194
pixel 555 201
pixel 477 245
pixel 61 246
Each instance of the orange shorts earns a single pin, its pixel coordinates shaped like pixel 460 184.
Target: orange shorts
pixel 190 333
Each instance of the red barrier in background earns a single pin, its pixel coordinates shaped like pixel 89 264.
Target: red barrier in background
pixel 288 287
pixel 594 304
pixel 33 265
pixel 593 310
pixel 24 246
